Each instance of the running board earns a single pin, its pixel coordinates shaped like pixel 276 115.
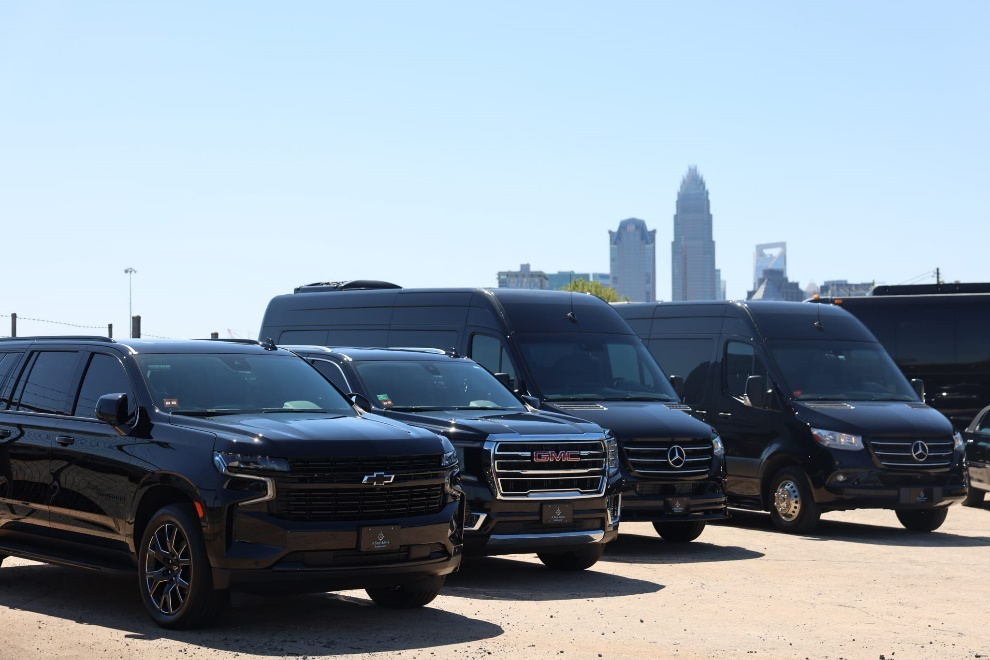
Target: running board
pixel 72 555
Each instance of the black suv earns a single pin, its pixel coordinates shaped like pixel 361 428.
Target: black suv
pixel 205 466
pixel 536 481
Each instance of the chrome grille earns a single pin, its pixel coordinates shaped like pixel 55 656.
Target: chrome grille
pixel 517 472
pixel 897 452
pixel 651 458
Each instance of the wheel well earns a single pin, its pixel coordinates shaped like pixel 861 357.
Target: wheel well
pixel 773 465
pixel 155 498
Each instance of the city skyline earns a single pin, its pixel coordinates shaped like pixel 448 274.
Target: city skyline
pixel 694 274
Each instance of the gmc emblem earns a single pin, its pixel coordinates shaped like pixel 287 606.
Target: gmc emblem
pixel 555 456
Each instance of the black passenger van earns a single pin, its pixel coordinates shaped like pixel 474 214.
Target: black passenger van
pixel 937 332
pixel 563 352
pixel 814 414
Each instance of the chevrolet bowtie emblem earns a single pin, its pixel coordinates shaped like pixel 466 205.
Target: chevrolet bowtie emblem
pixel 378 479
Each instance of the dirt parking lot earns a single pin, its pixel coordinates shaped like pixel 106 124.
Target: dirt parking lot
pixel 860 587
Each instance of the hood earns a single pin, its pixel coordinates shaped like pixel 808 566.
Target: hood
pixel 479 424
pixel 640 419
pixel 306 435
pixel 870 418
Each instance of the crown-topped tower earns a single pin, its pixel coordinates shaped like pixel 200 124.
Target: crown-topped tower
pixel 693 272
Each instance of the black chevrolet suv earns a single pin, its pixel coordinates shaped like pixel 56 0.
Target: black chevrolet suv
pixel 205 466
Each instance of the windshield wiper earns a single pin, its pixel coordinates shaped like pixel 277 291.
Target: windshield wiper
pixel 308 411
pixel 210 413
pixel 416 408
pixel 637 398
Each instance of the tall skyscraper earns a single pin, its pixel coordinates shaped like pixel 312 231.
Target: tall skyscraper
pixel 633 260
pixel 769 255
pixel 693 250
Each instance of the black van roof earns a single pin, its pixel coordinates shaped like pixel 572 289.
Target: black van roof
pixel 770 319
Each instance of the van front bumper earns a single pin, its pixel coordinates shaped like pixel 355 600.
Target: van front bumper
pixel 674 502
pixel 880 489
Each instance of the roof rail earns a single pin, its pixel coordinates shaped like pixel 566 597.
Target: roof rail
pixel 351 285
pixel 930 289
pixel 232 340
pixel 61 337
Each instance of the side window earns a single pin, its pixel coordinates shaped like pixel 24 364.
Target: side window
pixel 688 358
pixel 105 375
pixel 333 374
pixel 491 353
pixel 8 375
pixel 741 362
pixel 6 362
pixel 45 387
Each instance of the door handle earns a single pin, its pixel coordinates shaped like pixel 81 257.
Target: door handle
pixel 725 414
pixel 4 433
pixel 64 440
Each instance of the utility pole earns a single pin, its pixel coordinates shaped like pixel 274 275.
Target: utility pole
pixel 130 296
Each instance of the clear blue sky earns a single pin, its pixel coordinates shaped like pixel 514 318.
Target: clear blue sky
pixel 231 151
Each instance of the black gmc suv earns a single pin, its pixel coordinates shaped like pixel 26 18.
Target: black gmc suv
pixel 205 466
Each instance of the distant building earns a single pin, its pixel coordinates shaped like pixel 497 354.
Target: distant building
pixel 524 278
pixel 721 284
pixel 562 278
pixel 843 288
pixel 692 258
pixel 811 290
pixel 774 286
pixel 633 261
pixel 769 255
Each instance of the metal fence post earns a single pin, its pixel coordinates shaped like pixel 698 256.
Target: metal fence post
pixel 13 325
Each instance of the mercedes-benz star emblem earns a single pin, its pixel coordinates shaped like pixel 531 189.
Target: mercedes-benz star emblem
pixel 676 456
pixel 919 450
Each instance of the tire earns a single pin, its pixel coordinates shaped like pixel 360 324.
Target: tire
pixel 406 597
pixel 922 520
pixel 792 502
pixel 974 497
pixel 679 532
pixel 578 559
pixel 179 558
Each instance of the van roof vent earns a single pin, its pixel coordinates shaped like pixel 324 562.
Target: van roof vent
pixel 678 406
pixel 350 285
pixel 828 404
pixel 579 406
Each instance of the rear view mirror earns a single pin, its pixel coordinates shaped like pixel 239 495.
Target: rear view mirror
pixel 360 401
pixel 113 409
pixel 919 388
pixel 756 392
pixel 677 382
pixel 505 379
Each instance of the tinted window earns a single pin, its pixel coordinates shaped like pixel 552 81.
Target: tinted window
pixel 7 361
pixel 925 343
pixel 105 375
pixel 984 427
pixel 688 358
pixel 490 353
pixel 442 339
pixel 434 384
pixel 973 338
pixel 7 365
pixel 333 373
pixel 46 387
pixel 741 362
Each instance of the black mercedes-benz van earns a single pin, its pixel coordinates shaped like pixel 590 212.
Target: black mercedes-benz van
pixel 814 414
pixel 535 481
pixel 568 352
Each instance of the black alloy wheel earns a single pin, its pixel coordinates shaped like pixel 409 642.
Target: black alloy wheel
pixel 922 520
pixel 174 572
pixel 792 503
pixel 679 532
pixel 577 559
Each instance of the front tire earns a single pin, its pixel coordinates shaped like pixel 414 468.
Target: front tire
pixel 174 573
pixel 974 497
pixel 406 597
pixel 679 532
pixel 577 559
pixel 923 520
pixel 792 502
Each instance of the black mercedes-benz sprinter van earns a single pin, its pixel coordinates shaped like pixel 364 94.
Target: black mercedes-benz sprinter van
pixel 567 352
pixel 814 414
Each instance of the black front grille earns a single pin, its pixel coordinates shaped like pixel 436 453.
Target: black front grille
pixel 652 458
pixel 908 453
pixel 329 504
pixel 525 469
pixel 354 469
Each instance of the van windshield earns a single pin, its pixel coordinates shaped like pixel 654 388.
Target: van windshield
pixel 206 384
pixel 839 371
pixel 449 384
pixel 598 367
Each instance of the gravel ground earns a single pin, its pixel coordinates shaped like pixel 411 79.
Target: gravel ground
pixel 859 587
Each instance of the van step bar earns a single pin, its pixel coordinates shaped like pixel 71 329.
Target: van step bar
pixel 72 555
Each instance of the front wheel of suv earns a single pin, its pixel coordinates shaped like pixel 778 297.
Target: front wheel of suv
pixel 679 532
pixel 922 520
pixel 406 597
pixel 174 572
pixel 577 559
pixel 792 503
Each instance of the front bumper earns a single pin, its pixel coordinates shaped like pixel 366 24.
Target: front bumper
pixel 675 502
pixel 883 489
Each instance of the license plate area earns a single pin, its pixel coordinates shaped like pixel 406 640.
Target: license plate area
pixel 678 505
pixel 557 514
pixel 929 495
pixel 379 539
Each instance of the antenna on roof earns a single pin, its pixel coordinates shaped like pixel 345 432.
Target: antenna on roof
pixel 268 344
pixel 818 323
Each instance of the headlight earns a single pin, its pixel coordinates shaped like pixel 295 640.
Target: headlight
pixel 449 453
pixel 612 452
pixel 836 440
pixel 717 447
pixel 957 441
pixel 241 463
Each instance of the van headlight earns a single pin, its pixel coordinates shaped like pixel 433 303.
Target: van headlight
pixel 958 442
pixel 836 440
pixel 612 453
pixel 717 447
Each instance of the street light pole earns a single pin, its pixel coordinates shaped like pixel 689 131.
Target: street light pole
pixel 130 299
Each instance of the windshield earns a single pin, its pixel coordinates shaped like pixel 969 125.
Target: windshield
pixel 215 384
pixel 840 371
pixel 449 384
pixel 595 367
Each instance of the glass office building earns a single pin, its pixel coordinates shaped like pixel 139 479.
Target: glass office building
pixel 633 260
pixel 693 251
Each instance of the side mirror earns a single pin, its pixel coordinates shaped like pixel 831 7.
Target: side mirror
pixel 919 388
pixel 677 382
pixel 360 401
pixel 113 409
pixel 505 379
pixel 531 401
pixel 756 392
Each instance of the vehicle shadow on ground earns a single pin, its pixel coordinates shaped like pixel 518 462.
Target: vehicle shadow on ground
pixel 835 530
pixel 499 578
pixel 315 624
pixel 640 549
